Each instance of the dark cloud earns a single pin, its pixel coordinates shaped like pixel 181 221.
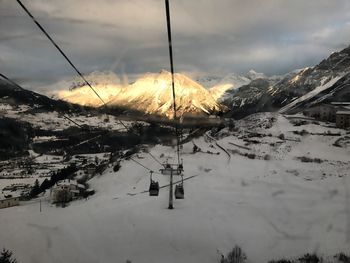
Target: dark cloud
pixel 129 36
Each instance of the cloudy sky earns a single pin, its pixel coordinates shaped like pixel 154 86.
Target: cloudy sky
pixel 129 36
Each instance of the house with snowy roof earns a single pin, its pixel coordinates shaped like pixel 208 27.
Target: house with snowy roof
pixel 67 190
pixel 327 111
pixel 8 200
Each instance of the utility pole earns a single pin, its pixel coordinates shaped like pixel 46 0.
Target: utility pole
pixel 171 190
pixel 40 205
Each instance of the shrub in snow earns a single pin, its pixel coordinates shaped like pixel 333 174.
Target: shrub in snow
pixel 116 167
pixel 341 257
pixel 281 136
pixel 231 125
pixel 196 149
pixel 250 155
pixel 35 189
pixel 306 159
pixel 267 157
pixel 304 132
pixel 310 258
pixel 281 261
pixel 237 255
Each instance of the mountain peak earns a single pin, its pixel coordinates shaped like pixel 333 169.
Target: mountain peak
pixel 152 94
pixel 252 74
pixel 164 71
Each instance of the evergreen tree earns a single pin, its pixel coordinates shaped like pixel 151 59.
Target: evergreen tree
pixel 45 185
pixel 36 189
pixel 6 257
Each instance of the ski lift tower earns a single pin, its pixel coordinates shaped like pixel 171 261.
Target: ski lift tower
pixel 172 169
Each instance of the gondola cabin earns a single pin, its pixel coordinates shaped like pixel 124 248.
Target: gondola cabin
pixel 179 191
pixel 154 188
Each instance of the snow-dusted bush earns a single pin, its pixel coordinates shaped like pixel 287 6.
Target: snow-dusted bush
pixel 302 132
pixel 251 155
pixel 267 157
pixel 281 261
pixel 306 159
pixel 343 258
pixel 236 255
pixel 116 167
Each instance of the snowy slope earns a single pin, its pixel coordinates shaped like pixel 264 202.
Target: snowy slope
pixel 272 208
pixel 326 83
pixel 54 120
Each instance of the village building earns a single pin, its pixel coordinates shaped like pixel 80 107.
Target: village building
pixel 327 111
pixel 343 119
pixel 67 190
pixel 90 169
pixel 8 201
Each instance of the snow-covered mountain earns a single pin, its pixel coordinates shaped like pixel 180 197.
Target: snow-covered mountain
pixel 219 85
pixel 150 94
pixel 229 82
pixel 16 96
pixel 328 80
pixel 253 75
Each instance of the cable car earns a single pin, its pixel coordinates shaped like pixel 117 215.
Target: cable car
pixel 179 191
pixel 180 168
pixel 154 188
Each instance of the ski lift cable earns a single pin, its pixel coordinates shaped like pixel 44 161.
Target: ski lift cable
pixel 18 86
pixel 75 123
pixel 154 158
pixel 65 56
pixel 144 166
pixel 59 49
pixel 88 83
pixel 64 116
pixel 161 187
pixel 172 77
pixel 10 81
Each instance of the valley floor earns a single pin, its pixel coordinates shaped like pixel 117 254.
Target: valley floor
pixel 271 204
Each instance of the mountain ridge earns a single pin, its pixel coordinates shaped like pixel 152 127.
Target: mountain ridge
pixel 151 94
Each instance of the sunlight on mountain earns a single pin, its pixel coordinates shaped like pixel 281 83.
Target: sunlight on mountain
pixel 151 94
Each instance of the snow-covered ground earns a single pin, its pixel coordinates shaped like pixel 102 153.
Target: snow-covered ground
pixel 274 208
pixel 57 121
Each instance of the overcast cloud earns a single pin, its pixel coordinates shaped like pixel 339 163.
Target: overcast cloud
pixel 129 36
